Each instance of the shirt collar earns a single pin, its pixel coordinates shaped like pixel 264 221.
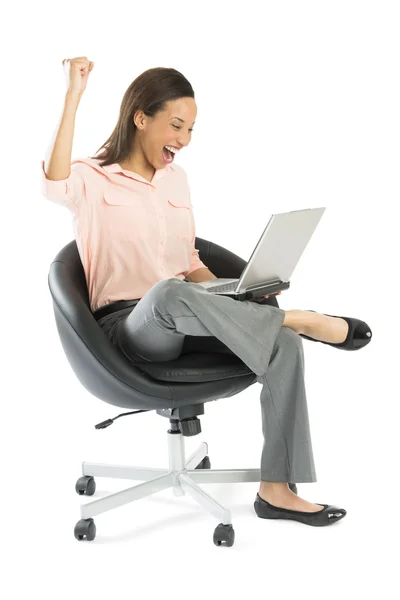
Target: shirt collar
pixel 116 168
pixel 159 174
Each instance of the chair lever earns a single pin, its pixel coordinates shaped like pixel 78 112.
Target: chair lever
pixel 104 424
pixel 109 422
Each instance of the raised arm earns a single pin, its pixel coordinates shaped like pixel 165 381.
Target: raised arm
pixel 58 158
pixel 59 182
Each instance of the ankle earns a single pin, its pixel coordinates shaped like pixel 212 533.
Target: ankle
pixel 298 320
pixel 274 487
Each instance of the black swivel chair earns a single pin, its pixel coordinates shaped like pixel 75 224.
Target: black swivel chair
pixel 175 389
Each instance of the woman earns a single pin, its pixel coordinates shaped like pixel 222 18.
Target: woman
pixel 135 230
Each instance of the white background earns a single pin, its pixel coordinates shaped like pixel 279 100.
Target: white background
pixel 298 107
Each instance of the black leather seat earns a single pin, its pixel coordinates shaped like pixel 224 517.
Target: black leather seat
pixel 176 389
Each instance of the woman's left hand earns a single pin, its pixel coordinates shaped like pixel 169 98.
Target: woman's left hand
pixel 263 297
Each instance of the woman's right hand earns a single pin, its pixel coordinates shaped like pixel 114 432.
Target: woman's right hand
pixel 77 73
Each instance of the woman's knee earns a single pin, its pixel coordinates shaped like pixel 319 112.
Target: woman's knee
pixel 164 289
pixel 289 341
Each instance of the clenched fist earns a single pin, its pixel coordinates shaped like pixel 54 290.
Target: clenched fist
pixel 77 73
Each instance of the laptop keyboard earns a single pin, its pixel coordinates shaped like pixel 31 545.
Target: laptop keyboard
pixel 225 287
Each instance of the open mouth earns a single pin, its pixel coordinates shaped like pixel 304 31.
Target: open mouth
pixel 168 156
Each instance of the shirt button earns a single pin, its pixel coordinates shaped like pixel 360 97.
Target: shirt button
pixel 162 243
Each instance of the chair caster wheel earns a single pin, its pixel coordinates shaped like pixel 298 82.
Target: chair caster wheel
pixel 85 528
pixel 204 464
pixel 85 485
pixel 293 487
pixel 224 533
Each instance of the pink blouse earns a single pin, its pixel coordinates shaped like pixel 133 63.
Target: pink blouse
pixel 130 233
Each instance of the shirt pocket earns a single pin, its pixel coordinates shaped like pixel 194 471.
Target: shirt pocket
pixel 179 218
pixel 127 214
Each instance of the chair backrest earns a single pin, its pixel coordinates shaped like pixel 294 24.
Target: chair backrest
pixel 101 367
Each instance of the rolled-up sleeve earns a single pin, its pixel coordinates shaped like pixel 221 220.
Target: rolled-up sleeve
pixel 66 192
pixel 195 262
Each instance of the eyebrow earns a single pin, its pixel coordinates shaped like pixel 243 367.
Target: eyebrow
pixel 179 119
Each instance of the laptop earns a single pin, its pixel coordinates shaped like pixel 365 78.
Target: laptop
pixel 274 258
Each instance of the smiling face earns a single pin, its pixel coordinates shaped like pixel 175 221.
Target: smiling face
pixel 172 127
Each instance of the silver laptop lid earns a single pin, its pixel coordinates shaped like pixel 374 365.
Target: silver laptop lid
pixel 280 247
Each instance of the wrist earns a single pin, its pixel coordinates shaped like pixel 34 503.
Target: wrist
pixel 73 97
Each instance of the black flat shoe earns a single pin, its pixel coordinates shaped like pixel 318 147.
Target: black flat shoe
pixel 326 516
pixel 358 336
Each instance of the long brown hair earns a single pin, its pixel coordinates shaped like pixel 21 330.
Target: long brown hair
pixel 149 92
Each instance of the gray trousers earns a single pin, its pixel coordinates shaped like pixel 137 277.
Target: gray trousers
pixel 159 325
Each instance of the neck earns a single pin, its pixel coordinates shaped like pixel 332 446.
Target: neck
pixel 147 172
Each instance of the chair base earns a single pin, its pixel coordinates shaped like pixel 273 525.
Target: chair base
pixel 182 477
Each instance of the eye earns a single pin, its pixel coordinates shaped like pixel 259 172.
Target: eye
pixel 176 127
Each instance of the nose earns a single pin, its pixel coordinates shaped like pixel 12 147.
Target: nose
pixel 183 141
